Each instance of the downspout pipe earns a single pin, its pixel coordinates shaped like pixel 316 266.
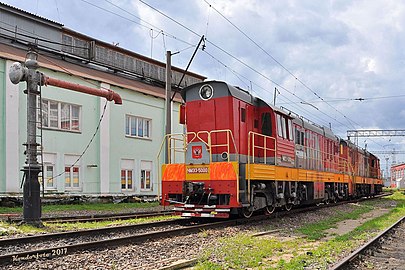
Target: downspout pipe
pixel 108 94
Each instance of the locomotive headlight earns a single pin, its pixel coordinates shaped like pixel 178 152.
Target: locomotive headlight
pixel 206 92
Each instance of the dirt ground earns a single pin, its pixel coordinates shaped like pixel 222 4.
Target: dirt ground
pixel 348 225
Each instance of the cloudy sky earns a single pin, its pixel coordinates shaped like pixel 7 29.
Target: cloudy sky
pixel 338 63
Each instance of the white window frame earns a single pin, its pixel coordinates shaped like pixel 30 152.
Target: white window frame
pixel 145 123
pixel 71 177
pixel 69 161
pixel 127 165
pixel 46 110
pixel 126 178
pixel 279 126
pixel 47 177
pixel 146 167
pixel 290 130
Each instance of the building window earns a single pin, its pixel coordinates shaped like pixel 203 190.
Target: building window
pixel 126 179
pixel 136 126
pixel 49 180
pixel 127 172
pixel 59 115
pixel 146 175
pixel 71 177
pixel 48 172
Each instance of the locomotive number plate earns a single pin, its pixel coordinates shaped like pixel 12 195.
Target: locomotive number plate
pixel 193 170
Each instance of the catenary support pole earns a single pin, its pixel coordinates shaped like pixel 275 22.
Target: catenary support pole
pixel 168 102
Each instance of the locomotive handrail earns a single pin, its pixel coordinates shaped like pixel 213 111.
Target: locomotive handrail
pixel 229 135
pixel 202 140
pixel 251 137
pixel 172 148
pixel 169 138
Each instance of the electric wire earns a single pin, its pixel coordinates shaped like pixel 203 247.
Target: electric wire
pixel 39 39
pixel 99 122
pixel 307 87
pixel 275 60
pixel 240 76
pixel 230 55
pixel 191 45
pixel 88 144
pixel 146 24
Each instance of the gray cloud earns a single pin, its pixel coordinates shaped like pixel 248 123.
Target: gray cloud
pixel 339 49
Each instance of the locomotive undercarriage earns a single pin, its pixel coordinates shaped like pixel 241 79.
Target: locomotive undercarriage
pixel 198 193
pixel 269 195
pixel 266 195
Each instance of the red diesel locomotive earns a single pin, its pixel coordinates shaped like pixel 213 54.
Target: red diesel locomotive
pixel 242 155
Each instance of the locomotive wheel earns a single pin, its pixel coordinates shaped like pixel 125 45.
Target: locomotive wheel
pixel 326 201
pixel 288 206
pixel 246 212
pixel 270 209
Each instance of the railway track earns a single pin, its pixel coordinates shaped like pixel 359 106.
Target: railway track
pixel 66 243
pixel 95 217
pixel 385 251
pixel 20 250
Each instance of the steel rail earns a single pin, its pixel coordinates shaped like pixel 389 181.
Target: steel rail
pixel 345 261
pixel 98 217
pixel 62 235
pixel 189 262
pixel 68 249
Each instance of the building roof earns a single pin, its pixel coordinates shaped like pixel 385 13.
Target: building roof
pixel 15 54
pixel 29 15
pixel 118 66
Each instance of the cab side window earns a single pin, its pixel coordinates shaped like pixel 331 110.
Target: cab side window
pixel 266 124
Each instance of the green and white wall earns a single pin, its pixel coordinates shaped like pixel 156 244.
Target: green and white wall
pixel 110 151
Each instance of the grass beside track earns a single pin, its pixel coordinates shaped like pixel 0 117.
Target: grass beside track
pixel 306 247
pixel 104 207
pixel 12 229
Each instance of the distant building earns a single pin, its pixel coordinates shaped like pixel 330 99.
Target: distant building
pixel 398 176
pixel 122 156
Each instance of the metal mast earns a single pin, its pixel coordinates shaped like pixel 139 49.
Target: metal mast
pixel 31 168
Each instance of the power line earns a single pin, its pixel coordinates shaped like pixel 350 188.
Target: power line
pixel 99 122
pixel 275 60
pixel 234 57
pixel 195 33
pixel 148 25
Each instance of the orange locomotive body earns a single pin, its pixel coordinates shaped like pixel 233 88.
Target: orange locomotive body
pixel 242 155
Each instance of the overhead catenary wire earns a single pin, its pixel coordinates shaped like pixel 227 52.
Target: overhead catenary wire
pixel 229 54
pixel 195 33
pixel 351 122
pixel 240 76
pixel 275 60
pixel 144 23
